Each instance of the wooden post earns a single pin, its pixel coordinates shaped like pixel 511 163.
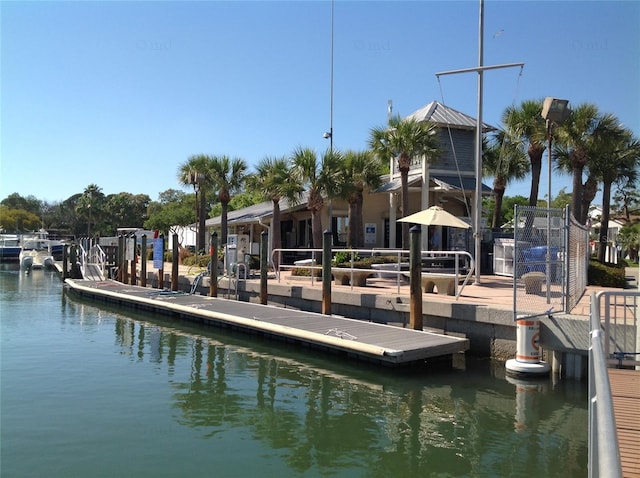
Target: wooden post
pixel 134 261
pixel 326 272
pixel 143 259
pixel 415 279
pixel 120 258
pixel 161 270
pixel 125 262
pixel 264 266
pixel 213 266
pixel 174 264
pixel 65 261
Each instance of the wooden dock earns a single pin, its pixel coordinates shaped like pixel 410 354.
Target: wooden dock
pixel 384 344
pixel 625 392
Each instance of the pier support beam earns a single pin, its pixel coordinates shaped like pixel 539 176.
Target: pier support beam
pixel 213 266
pixel 264 266
pixel 174 264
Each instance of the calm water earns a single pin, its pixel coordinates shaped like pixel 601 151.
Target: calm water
pixel 96 392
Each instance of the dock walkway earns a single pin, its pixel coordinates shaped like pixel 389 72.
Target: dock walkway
pixel 384 344
pixel 625 393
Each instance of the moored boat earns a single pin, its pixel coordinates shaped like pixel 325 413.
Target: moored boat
pixel 36 254
pixel 10 248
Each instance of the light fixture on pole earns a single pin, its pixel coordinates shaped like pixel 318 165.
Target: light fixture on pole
pixel 555 112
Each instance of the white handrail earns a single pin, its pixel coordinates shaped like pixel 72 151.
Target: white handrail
pixel 399 253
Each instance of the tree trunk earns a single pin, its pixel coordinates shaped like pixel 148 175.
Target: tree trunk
pixel 497 211
pixel 223 223
pixel 201 220
pixel 604 220
pixel 535 158
pixel 404 177
pixel 589 191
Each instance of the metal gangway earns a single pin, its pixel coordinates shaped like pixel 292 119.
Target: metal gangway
pixel 614 342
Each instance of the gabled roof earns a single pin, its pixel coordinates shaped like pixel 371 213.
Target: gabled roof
pixel 447 117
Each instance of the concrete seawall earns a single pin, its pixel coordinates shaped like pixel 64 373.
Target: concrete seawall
pixel 489 326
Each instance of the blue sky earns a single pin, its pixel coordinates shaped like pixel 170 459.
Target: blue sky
pixel 121 93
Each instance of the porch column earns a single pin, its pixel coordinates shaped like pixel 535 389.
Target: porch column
pixel 424 199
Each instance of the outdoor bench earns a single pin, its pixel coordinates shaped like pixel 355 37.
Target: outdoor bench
pixel 444 283
pixel 343 276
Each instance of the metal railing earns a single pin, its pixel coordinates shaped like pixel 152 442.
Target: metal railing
pixel 401 265
pixel 619 309
pixel 98 257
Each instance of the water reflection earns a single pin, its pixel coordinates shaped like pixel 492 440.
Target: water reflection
pixel 315 412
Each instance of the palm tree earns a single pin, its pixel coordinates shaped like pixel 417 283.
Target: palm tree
pixel 578 142
pixel 525 124
pixel 360 170
pixel 89 206
pixel 405 139
pixel 504 160
pixel 319 177
pixel 617 160
pixel 227 176
pixel 273 181
pixel 196 171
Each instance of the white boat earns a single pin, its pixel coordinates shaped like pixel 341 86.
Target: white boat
pixel 36 254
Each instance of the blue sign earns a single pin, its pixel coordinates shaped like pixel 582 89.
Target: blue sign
pixel 158 254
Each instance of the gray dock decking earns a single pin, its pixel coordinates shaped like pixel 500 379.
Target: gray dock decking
pixel 389 345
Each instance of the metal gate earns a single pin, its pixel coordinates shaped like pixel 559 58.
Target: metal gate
pixel 550 260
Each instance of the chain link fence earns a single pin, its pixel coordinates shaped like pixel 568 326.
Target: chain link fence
pixel 550 260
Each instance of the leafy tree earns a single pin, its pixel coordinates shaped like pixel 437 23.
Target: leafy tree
pixel 505 161
pixel 30 203
pixel 125 210
pixel 524 124
pixel 18 220
pixel 274 180
pixel 174 208
pixel 561 199
pixel 319 178
pixel 360 170
pixel 405 139
pixel 627 199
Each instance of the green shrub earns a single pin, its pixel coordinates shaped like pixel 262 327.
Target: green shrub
pixel 305 272
pixel 344 257
pixel 606 275
pixel 203 260
pixel 366 262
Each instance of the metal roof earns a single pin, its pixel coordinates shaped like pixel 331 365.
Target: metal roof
pixel 256 212
pixel 446 116
pixel 448 182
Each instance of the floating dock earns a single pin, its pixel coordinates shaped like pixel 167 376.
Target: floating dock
pixel 384 344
